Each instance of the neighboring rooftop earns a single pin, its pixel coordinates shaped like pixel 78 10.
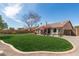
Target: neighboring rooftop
pixel 77 26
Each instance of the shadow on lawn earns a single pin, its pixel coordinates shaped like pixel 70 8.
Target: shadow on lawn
pixel 5 37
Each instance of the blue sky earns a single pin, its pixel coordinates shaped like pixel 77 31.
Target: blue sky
pixel 50 13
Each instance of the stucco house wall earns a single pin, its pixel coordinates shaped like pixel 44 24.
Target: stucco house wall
pixel 77 31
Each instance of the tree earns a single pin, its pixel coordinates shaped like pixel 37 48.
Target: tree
pixel 5 25
pixel 31 18
pixel 2 23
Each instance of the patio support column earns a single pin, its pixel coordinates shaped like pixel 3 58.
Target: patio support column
pixel 46 31
pixel 57 31
pixel 70 32
pixel 76 31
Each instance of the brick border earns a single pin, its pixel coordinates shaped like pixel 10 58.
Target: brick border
pixel 18 51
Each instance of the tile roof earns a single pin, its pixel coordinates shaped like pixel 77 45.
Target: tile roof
pixel 55 25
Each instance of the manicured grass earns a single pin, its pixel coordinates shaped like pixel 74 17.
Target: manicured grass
pixel 32 42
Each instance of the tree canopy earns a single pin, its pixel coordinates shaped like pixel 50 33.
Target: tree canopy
pixel 2 23
pixel 31 18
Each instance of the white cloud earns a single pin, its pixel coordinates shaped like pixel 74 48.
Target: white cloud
pixel 12 10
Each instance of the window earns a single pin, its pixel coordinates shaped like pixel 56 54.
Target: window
pixel 54 30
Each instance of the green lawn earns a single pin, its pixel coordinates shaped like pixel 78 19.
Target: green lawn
pixel 31 42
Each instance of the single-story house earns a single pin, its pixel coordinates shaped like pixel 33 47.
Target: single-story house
pixel 61 28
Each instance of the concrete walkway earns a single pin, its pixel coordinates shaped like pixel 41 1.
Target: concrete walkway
pixel 8 51
pixel 75 41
